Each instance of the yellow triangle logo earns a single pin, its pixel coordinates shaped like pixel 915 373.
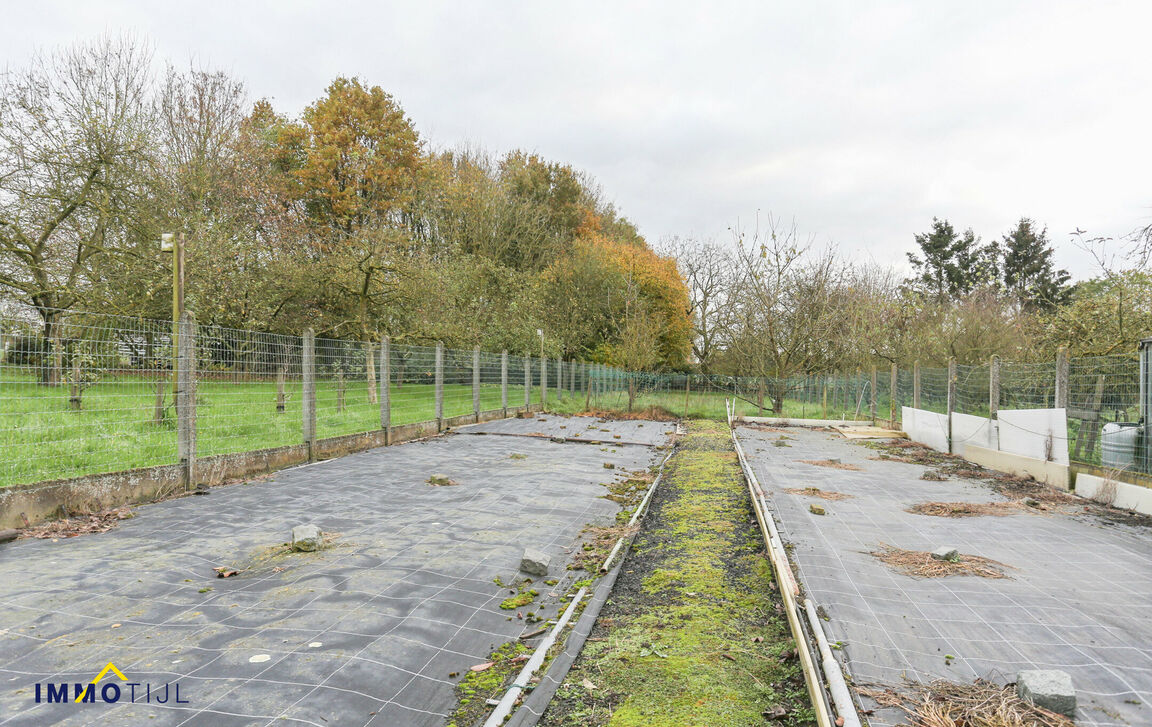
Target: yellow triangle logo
pixel 110 668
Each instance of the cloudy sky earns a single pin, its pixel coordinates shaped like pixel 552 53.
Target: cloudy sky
pixel 861 121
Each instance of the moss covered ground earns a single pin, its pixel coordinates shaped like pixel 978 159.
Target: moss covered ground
pixel 692 634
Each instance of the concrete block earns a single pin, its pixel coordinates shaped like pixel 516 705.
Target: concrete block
pixel 945 553
pixel 306 538
pixel 1052 473
pixel 1126 495
pixel 535 562
pixel 1049 689
pixel 1036 433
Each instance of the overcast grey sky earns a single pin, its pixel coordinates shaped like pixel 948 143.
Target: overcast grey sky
pixel 860 120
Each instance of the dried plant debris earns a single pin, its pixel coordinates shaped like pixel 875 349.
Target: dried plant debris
pixel 439 480
pixel 817 492
pixel 832 463
pixel 966 509
pixel 921 564
pixel 598 543
pixel 652 413
pixel 950 704
pixel 81 523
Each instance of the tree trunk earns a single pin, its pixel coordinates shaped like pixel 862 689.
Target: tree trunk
pixel 51 359
pixel 280 374
pixel 158 406
pixel 74 397
pixel 371 367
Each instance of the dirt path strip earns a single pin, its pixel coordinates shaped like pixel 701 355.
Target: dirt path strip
pixel 694 632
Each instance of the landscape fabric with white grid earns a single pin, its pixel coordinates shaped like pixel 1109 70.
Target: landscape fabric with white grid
pixel 1078 596
pixel 365 632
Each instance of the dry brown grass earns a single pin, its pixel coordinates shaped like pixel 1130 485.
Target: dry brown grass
pixel 921 564
pixel 652 413
pixel 965 509
pixel 817 492
pixel 948 704
pixel 832 463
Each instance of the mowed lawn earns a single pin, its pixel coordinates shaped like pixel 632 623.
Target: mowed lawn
pixel 42 438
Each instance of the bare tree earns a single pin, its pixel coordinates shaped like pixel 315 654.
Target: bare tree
pixel 787 303
pixel 74 137
pixel 709 270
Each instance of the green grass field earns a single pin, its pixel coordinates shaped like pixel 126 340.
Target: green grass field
pixel 42 438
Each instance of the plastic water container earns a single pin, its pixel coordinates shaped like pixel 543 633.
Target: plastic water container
pixel 1118 444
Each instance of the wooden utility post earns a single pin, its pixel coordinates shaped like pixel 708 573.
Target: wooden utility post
pixel 385 384
pixel 916 385
pixel 186 400
pixel 874 398
pixel 308 393
pixel 892 398
pixel 438 378
pixel 1062 378
pixel 993 387
pixel 951 398
pixel 504 383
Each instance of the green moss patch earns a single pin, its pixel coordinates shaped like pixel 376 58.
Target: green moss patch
pixel 477 687
pixel 692 634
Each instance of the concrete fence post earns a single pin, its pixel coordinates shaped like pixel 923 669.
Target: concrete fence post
pixel 543 382
pixel 875 397
pixel 186 399
pixel 993 387
pixel 951 397
pixel 438 377
pixel 559 379
pixel 916 385
pixel 1062 378
pixel 528 383
pixel 308 394
pixel 504 382
pixel 476 383
pixel 893 407
pixel 385 384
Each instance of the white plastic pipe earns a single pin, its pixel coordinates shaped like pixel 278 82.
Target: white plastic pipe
pixel 841 697
pixel 504 708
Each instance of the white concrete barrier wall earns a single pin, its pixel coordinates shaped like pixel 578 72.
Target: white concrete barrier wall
pixel 1036 433
pixel 926 427
pixel 975 431
pixel 1127 496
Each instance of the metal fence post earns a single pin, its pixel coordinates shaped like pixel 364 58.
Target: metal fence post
pixel 476 383
pixel 439 379
pixel 916 385
pixel 527 383
pixel 951 398
pixel 504 382
pixel 308 394
pixel 543 382
pixel 1062 377
pixel 385 384
pixel 892 398
pixel 186 399
pixel 994 387
pixel 872 407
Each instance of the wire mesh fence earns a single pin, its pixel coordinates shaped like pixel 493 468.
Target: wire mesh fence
pixel 84 393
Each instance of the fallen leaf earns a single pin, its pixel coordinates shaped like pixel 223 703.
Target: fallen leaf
pixel 227 573
pixel 588 684
pixel 518 659
pixel 115 626
pixel 484 667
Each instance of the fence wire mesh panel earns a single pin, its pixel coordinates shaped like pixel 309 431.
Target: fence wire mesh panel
pixel 413 374
pixel 249 390
pixel 84 394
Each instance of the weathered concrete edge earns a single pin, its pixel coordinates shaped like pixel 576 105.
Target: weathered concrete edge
pixel 29 504
pixel 1123 495
pixel 1052 473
